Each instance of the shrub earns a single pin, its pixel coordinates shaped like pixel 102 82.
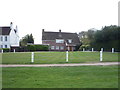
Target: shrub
pixel 37 47
pixel 5 49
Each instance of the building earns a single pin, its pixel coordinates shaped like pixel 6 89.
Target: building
pixel 60 41
pixel 9 37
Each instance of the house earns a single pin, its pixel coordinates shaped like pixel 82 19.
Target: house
pixel 60 41
pixel 9 37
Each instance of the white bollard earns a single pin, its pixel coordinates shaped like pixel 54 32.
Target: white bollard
pixel 83 49
pixel 101 56
pixel 14 50
pixel 32 57
pixel 102 49
pixel 112 50
pixel 2 50
pixel 92 49
pixel 66 56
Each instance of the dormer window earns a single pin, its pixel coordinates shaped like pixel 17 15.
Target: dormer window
pixel 59 41
pixel 69 40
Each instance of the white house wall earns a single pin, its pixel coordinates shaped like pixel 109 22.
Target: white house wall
pixel 14 39
pixel 3 42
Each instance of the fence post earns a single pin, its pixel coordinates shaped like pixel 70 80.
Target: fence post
pixel 14 50
pixel 112 50
pixel 102 49
pixel 32 57
pixel 101 56
pixel 66 56
pixel 2 50
pixel 83 49
pixel 92 49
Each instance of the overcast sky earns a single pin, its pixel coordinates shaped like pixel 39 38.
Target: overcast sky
pixel 31 16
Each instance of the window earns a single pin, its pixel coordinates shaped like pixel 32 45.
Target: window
pixel 52 47
pixel 69 40
pixel 62 47
pixel 59 41
pixel 5 46
pixel 5 38
pixel 1 46
pixel 1 38
pixel 57 47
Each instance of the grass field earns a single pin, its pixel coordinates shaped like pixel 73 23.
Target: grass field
pixel 61 77
pixel 57 57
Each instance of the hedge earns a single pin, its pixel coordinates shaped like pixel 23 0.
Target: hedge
pixel 37 47
pixel 5 49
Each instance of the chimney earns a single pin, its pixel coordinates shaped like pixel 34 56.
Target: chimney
pixel 16 29
pixel 11 25
pixel 60 30
pixel 43 30
pixel 60 35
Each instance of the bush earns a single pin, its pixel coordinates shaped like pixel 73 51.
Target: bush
pixel 5 49
pixel 37 47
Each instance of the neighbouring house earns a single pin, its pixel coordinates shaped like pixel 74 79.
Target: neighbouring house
pixel 9 37
pixel 60 41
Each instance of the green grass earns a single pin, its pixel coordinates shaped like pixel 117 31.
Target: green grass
pixel 57 57
pixel 61 77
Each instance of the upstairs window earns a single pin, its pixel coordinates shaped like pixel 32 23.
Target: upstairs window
pixel 5 38
pixel 59 41
pixel 1 38
pixel 69 40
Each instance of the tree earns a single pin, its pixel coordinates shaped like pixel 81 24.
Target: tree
pixel 27 39
pixel 108 37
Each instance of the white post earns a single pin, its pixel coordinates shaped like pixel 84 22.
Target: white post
pixel 112 50
pixel 83 49
pixel 92 49
pixel 66 56
pixel 101 56
pixel 32 57
pixel 102 49
pixel 14 50
pixel 2 50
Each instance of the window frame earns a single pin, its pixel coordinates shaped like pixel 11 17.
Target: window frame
pixel 61 47
pixel 57 48
pixel 6 46
pixel 69 40
pixel 52 47
pixel 1 38
pixel 6 39
pixel 59 40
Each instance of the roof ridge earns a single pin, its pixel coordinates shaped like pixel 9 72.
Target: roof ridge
pixel 57 32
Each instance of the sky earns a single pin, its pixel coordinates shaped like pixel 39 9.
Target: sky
pixel 31 16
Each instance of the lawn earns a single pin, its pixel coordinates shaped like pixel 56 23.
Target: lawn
pixel 61 77
pixel 57 57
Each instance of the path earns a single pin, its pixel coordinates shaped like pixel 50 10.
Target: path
pixel 61 65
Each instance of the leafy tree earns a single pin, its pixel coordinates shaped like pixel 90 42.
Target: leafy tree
pixel 27 39
pixel 108 37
